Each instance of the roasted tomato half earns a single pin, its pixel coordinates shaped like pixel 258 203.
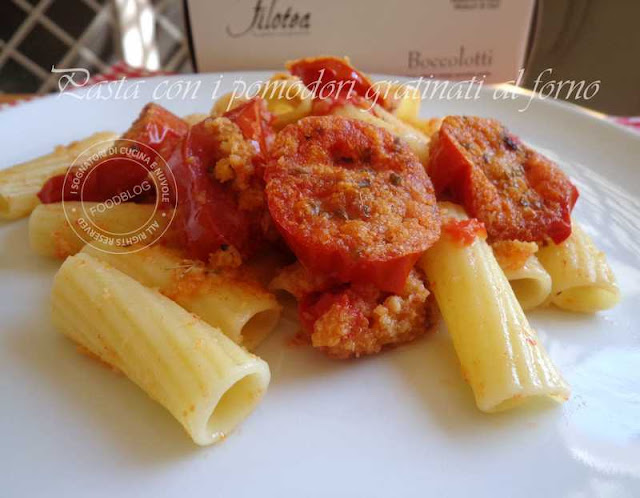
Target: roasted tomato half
pixel 155 134
pixel 351 200
pixel 330 72
pixel 212 214
pixel 208 216
pixel 255 122
pixel 159 129
pixel 516 192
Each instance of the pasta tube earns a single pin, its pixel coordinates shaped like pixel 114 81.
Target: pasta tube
pixel 51 233
pixel 530 283
pixel 20 184
pixel 529 280
pixel 405 100
pixel 287 99
pixel 581 277
pixel 427 126
pixel 285 95
pixel 241 308
pixel 207 382
pixel 225 103
pixel 500 354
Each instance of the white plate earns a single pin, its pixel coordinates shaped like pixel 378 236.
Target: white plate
pixel 402 423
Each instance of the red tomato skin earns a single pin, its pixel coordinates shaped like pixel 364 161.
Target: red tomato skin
pixel 52 190
pixel 312 307
pixel 208 215
pixel 98 186
pixel 537 176
pixel 159 129
pixel 464 232
pixel 389 275
pixel 454 171
pixel 335 70
pixel 156 129
pixel 255 123
pixel 314 141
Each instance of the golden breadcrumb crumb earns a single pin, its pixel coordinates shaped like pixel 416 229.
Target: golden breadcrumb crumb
pixel 193 278
pixel 225 257
pixel 234 166
pixel 298 281
pixel 363 320
pixel 360 319
pixel 235 154
pixel 513 254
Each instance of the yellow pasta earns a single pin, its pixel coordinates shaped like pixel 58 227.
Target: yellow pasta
pixel 225 103
pixel 530 283
pixel 57 233
pixel 405 100
pixel 287 99
pixel 207 382
pixel 20 184
pixel 417 141
pixel 241 308
pixel 500 354
pixel 427 126
pixel 581 277
pixel 285 95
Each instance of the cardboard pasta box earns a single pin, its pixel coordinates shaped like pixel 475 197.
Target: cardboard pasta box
pixel 444 39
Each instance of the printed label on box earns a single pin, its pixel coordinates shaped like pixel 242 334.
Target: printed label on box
pixel 445 39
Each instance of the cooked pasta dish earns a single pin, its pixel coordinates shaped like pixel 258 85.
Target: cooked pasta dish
pixel 181 238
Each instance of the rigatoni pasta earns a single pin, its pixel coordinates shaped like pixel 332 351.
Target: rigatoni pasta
pixel 239 307
pixel 582 279
pixel 500 354
pixel 19 185
pixel 530 282
pixel 287 99
pixel 207 382
pixel 405 100
pixel 56 231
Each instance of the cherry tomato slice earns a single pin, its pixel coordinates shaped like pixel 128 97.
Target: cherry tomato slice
pixel 156 133
pixel 332 71
pixel 158 129
pixel 208 217
pixel 516 192
pixel 106 179
pixel 351 201
pixel 254 121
